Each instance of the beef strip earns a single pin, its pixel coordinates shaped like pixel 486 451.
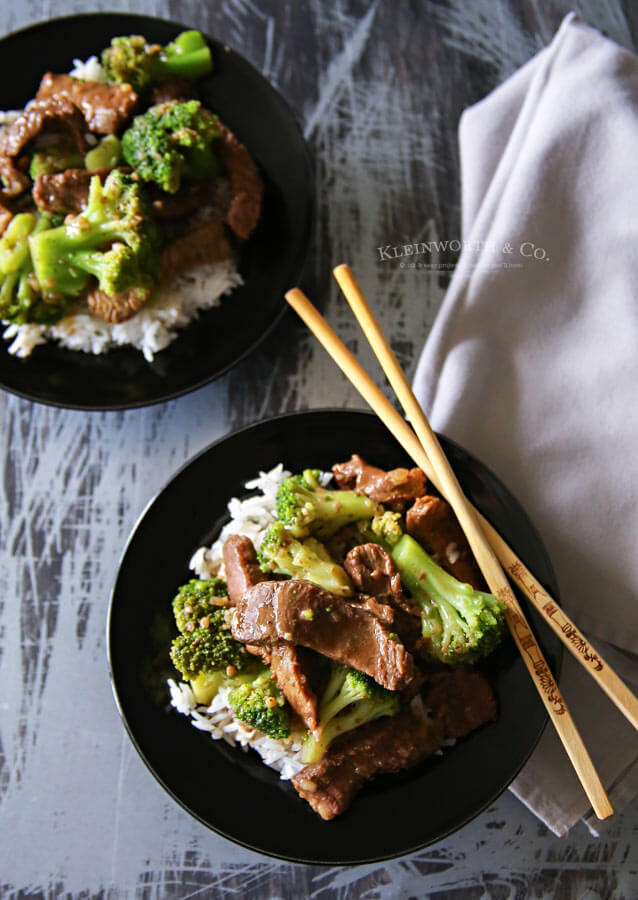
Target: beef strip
pixel 65 192
pixel 394 488
pixel 373 572
pixel 432 522
pixel 242 568
pixel 117 307
pixel 383 746
pixel 187 200
pixel 461 699
pixel 106 107
pixel 289 665
pixel 383 612
pixel 206 243
pixel 292 668
pixel 245 181
pixel 55 114
pixel 298 612
pixel 173 90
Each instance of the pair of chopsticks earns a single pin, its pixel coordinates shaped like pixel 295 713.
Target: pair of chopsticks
pixel 492 553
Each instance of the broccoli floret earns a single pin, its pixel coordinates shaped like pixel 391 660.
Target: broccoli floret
pixel 54 159
pixel 171 142
pixel 205 644
pixel 114 238
pixel 384 529
pixel 105 155
pixel 459 623
pixel 261 705
pixel 196 600
pixel 351 699
pixel 305 507
pixel 21 299
pixel 131 60
pixel 282 553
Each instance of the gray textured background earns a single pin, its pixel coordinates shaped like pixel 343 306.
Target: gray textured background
pixel 379 88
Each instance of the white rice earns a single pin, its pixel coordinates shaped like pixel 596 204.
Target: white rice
pixel 150 330
pixel 170 308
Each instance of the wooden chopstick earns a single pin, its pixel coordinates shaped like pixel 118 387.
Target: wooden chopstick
pixel 523 636
pixel 556 618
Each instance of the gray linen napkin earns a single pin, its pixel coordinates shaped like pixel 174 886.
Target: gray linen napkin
pixel 532 362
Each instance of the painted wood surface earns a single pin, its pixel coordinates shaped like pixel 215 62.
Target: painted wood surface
pixel 379 88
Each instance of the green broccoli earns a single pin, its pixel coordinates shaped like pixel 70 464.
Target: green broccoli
pixel 114 238
pixel 351 699
pixel 54 159
pixel 282 553
pixel 105 155
pixel 21 299
pixel 132 61
pixel 261 705
pixel 171 142
pixel 384 529
pixel 459 624
pixel 196 600
pixel 304 506
pixel 205 652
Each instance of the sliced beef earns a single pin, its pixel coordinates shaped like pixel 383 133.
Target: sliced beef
pixel 293 668
pixel 206 243
pixel 383 612
pixel 373 572
pixel 106 107
pixel 461 699
pixel 115 308
pixel 245 181
pixel 65 192
pixel 242 568
pixel 394 488
pixel 52 115
pixel 383 746
pixel 298 612
pixel 432 522
pixel 186 201
pixel 173 90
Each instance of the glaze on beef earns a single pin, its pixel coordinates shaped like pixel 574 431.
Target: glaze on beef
pixel 432 522
pixel 461 699
pixel 383 746
pixel 373 572
pixel 289 666
pixel 242 568
pixel 394 488
pixel 298 612
pixel 206 243
pixel 245 181
pixel 55 114
pixel 65 192
pixel 115 308
pixel 293 669
pixel 173 90
pixel 106 107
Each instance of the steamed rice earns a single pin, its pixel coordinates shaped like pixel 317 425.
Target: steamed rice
pixel 170 308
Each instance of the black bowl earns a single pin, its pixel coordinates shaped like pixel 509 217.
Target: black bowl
pixel 233 792
pixel 269 262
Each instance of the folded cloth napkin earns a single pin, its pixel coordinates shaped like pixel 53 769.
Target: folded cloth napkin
pixel 532 362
